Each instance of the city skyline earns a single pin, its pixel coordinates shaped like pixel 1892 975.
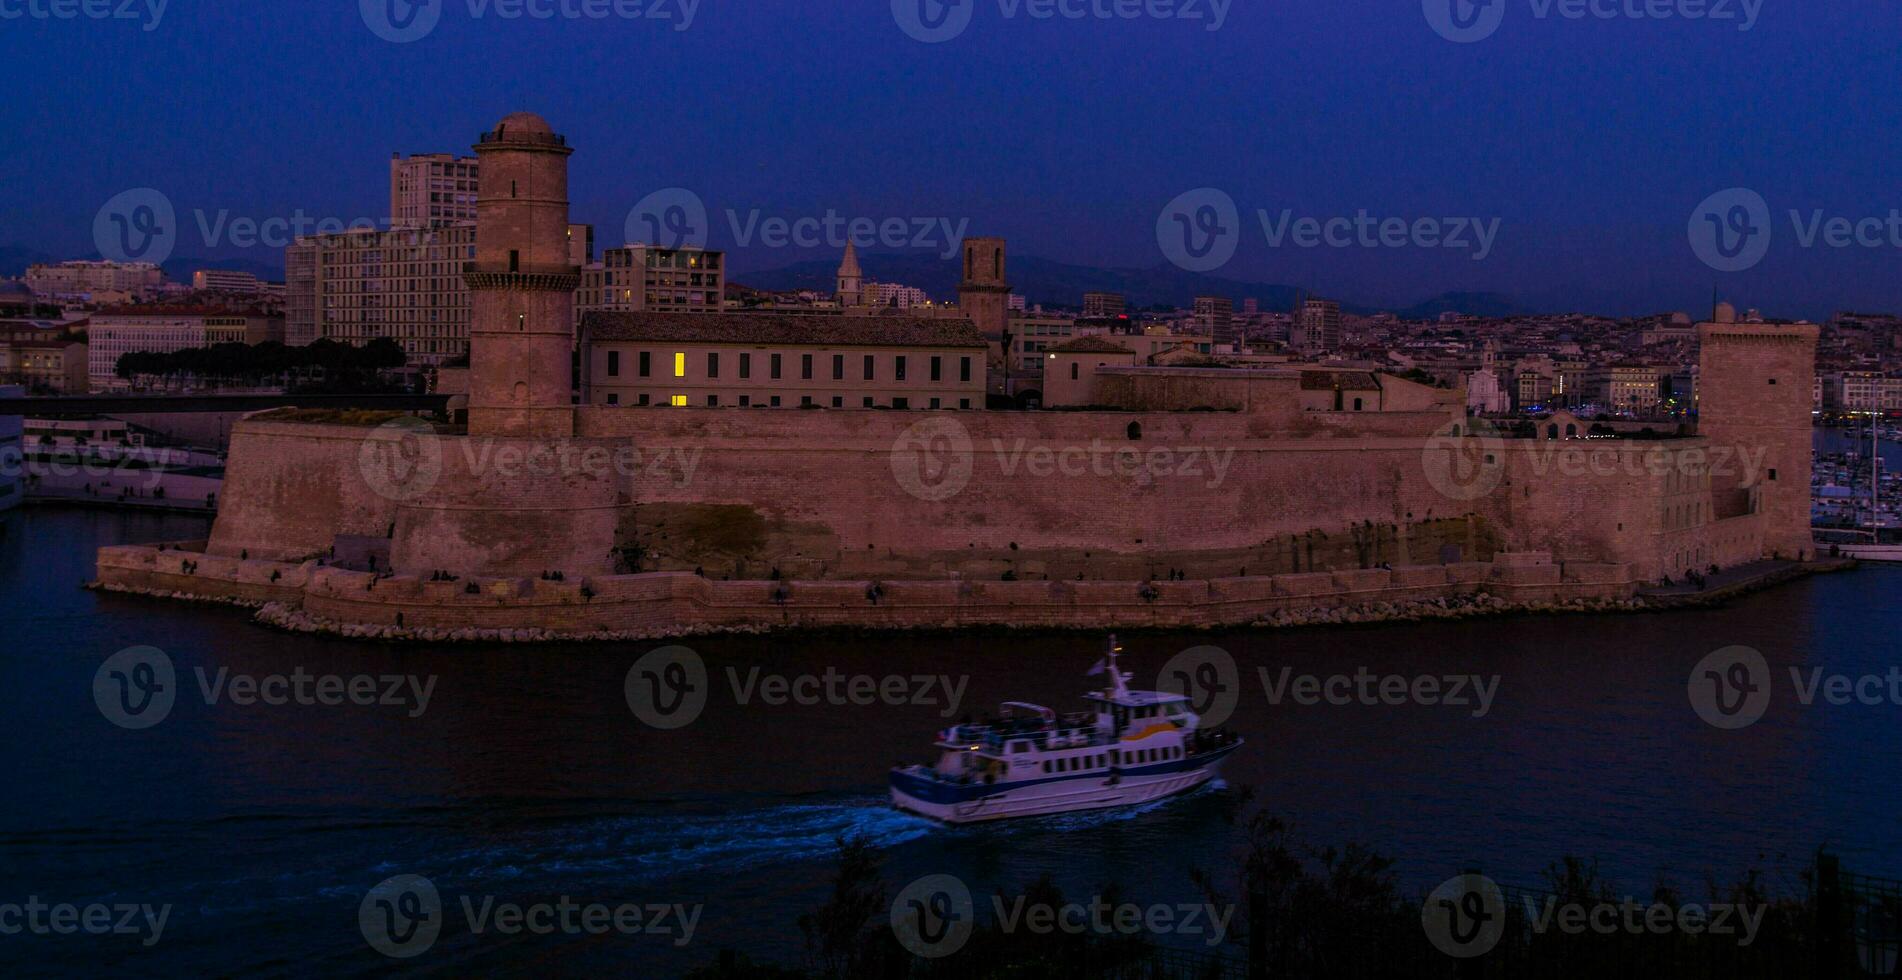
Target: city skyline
pixel 1598 225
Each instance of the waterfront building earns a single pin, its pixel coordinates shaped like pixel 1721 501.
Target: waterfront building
pixel 117 331
pixel 766 360
pixel 429 190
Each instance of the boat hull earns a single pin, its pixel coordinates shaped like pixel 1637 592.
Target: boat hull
pixel 961 804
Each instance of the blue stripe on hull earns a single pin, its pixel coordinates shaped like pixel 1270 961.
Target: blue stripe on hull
pixel 937 791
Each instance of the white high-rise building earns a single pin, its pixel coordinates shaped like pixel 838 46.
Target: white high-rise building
pixel 430 190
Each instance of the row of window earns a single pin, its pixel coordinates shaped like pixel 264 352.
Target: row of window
pixel 1103 760
pixel 776 366
pixel 774 401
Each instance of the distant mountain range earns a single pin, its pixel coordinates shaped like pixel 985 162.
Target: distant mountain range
pixel 1060 284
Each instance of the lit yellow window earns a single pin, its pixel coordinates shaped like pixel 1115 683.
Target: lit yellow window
pixel 680 366
pixel 680 401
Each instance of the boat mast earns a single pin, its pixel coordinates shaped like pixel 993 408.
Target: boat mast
pixel 1119 681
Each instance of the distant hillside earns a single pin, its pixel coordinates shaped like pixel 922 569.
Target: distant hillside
pixel 1061 284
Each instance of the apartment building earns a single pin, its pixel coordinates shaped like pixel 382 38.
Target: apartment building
pixel 429 190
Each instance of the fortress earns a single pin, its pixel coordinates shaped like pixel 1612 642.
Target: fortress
pixel 1183 496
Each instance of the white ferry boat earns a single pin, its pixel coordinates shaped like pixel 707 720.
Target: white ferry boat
pixel 1131 747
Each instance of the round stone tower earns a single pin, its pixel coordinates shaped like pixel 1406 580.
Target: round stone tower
pixel 522 285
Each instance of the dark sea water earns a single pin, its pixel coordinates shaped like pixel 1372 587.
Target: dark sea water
pixel 528 778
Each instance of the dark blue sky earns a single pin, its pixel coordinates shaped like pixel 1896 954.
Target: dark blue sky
pixel 1591 141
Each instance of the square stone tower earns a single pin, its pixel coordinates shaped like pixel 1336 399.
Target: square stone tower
pixel 1755 388
pixel 984 299
pixel 521 285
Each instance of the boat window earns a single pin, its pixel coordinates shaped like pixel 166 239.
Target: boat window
pixel 1175 708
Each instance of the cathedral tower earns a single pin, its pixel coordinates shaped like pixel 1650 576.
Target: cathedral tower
pixel 521 285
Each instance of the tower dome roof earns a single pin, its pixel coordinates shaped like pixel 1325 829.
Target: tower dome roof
pixel 524 124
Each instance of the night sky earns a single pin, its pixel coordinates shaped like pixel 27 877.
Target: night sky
pixel 1591 141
